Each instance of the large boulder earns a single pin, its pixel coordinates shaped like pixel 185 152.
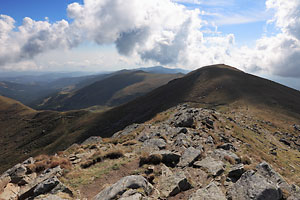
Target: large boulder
pixel 236 172
pixel 212 166
pixel 253 185
pixel 189 156
pixel 210 192
pixel 92 140
pixel 183 119
pixel 128 182
pixel 221 154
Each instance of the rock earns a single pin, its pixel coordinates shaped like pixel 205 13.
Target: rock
pixel 128 182
pixel 10 192
pixel 136 196
pixel 210 192
pixel 184 120
pixel 296 127
pixel 189 157
pixel 4 180
pixel 49 197
pixel 126 131
pixel 28 161
pixel 17 173
pixel 171 184
pixel 226 146
pixel 155 144
pixel 236 172
pixel 210 140
pixel 220 154
pixel 169 158
pixel 45 186
pixel 182 140
pixel 252 185
pixel 92 140
pixel 284 141
pixel 268 172
pixel 214 167
pixel 131 195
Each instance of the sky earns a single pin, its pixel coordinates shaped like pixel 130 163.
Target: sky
pixel 260 37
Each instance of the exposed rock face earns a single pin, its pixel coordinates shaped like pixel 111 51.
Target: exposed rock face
pixel 210 192
pixel 214 167
pixel 189 157
pixel 129 182
pixel 236 172
pixel 253 185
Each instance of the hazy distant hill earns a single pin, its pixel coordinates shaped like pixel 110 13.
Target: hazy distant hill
pixel 112 90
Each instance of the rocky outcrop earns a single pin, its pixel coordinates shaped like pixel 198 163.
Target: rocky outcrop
pixel 129 182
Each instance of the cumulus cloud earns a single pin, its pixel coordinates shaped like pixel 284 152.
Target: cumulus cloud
pixel 157 31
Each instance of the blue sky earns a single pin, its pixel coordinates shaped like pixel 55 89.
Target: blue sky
pixel 261 36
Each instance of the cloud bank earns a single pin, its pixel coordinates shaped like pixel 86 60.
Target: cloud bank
pixel 156 31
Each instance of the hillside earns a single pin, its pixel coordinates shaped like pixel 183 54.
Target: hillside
pixel 215 87
pixel 183 153
pixel 113 90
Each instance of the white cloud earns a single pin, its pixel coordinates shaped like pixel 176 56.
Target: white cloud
pixel 156 31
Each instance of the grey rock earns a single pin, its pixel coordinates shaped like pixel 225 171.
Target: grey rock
pixel 128 182
pixel 92 140
pixel 210 140
pixel 296 127
pixel 169 158
pixel 184 120
pixel 236 172
pixel 214 167
pixel 17 173
pixel 155 144
pixel 49 197
pixel 136 196
pixel 210 192
pixel 129 129
pixel 171 184
pixel 182 140
pixel 189 157
pixel 226 146
pixel 252 185
pixel 220 154
pixel 46 186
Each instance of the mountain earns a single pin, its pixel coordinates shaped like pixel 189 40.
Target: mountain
pixel 163 70
pixel 112 90
pixel 238 96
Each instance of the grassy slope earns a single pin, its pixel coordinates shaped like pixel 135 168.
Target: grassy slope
pixel 112 91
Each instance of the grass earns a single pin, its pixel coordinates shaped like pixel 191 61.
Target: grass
pixel 79 177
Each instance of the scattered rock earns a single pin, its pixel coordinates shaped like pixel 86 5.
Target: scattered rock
pixel 296 127
pixel 210 192
pixel 214 167
pixel 128 182
pixel 189 157
pixel 210 140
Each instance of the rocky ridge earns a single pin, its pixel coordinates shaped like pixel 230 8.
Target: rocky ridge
pixel 183 153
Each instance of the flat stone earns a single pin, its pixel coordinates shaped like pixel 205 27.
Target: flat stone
pixel 189 157
pixel 210 192
pixel 214 167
